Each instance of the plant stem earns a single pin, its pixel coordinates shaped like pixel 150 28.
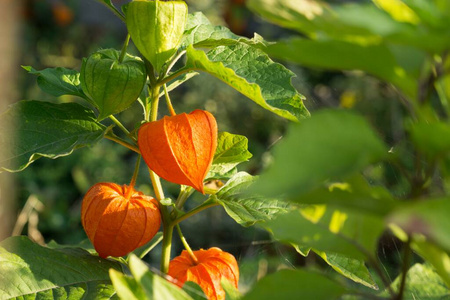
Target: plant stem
pixel 193 212
pixel 120 125
pixel 174 61
pixel 112 137
pixel 174 75
pixel 405 267
pixel 156 183
pixel 113 9
pixel 185 192
pixel 124 48
pixel 152 115
pixel 133 178
pixel 169 103
pixel 166 246
pixel 186 245
pixel 136 171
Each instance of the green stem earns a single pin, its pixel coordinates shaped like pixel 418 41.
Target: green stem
pixel 154 104
pixel 174 61
pixel 151 116
pixel 136 171
pixel 120 125
pixel 113 9
pixel 156 183
pixel 185 192
pixel 193 212
pixel 124 48
pixel 186 245
pixel 166 247
pixel 169 103
pixel 405 268
pixel 133 178
pixel 174 75
pixel 114 138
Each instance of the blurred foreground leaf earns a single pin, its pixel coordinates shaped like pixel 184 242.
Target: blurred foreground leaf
pixel 330 145
pixel 354 193
pixel 295 284
pixel 155 287
pixel 431 218
pixel 353 235
pixel 343 55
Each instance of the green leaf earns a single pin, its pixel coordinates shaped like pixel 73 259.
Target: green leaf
pixel 295 284
pixel 43 129
pixel 200 30
pixel 350 234
pixel 194 290
pixel 58 81
pixel 331 145
pixel 155 287
pixel 427 137
pixel 422 283
pixel 435 256
pixel 28 269
pixel 84 244
pixel 355 193
pixel 430 218
pixel 343 55
pixel 231 292
pixel 246 209
pixel 231 150
pixel 251 72
pixel 351 268
pixel 126 287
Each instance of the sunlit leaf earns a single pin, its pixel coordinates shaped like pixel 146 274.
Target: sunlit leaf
pixel 28 269
pixel 251 72
pixel 243 208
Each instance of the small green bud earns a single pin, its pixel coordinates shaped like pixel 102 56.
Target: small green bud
pixel 112 85
pixel 156 28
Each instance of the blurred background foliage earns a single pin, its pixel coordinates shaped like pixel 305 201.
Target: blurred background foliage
pixel 60 33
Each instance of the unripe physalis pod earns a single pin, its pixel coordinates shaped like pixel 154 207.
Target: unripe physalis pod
pixel 111 84
pixel 156 28
pixel 180 148
pixel 118 219
pixel 211 267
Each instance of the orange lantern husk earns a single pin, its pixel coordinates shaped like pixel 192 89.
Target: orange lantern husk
pixel 118 219
pixel 211 267
pixel 180 148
